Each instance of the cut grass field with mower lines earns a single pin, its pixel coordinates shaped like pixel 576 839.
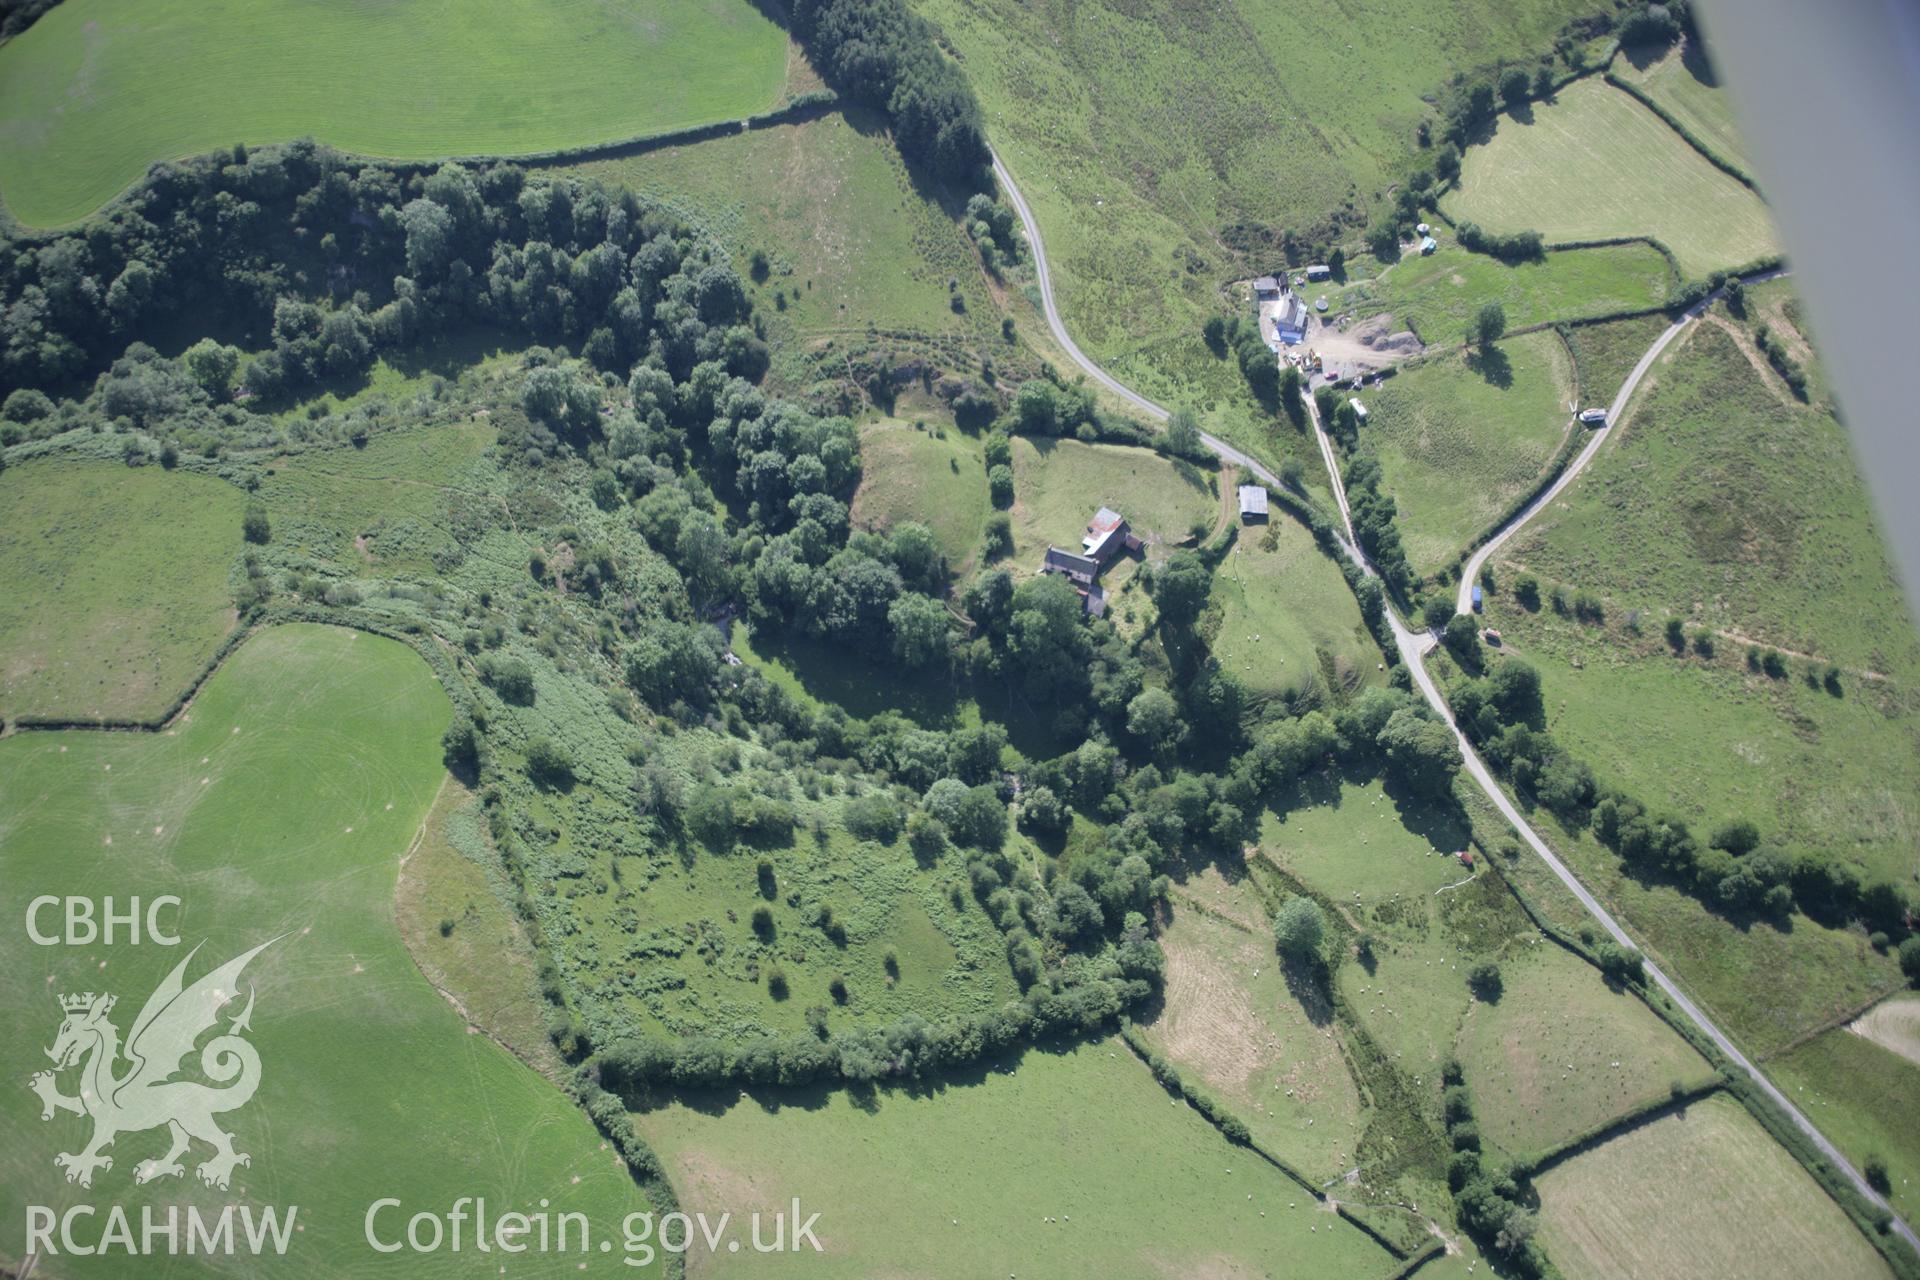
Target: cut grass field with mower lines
pixel 1703 1193
pixel 1594 163
pixel 1682 80
pixel 97 90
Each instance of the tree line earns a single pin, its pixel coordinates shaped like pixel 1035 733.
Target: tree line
pixel 882 53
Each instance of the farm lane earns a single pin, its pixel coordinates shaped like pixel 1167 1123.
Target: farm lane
pixel 1414 645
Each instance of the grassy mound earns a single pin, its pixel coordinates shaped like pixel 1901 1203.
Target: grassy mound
pixel 1595 163
pixel 95 92
pixel 101 618
pixel 280 805
pixel 930 474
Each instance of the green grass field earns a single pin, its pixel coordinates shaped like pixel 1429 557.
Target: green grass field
pixel 1863 1096
pixel 1461 436
pixel 850 241
pixel 1437 295
pixel 454 880
pixel 1059 484
pixel 932 473
pixel 1726 503
pixel 1287 620
pixel 1560 1053
pixel 962 1178
pixel 280 805
pixel 1833 969
pixel 383 506
pixel 99 617
pixel 1385 860
pixel 1706 1194
pixel 1681 79
pixel 1595 163
pixel 100 89
pixel 1712 741
pixel 1229 1020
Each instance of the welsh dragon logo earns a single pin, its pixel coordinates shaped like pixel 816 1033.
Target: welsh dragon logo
pixel 146 1094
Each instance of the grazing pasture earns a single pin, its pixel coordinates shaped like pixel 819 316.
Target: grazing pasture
pixel 1705 1192
pixel 1683 80
pixel 1834 969
pixel 1460 436
pixel 930 473
pixel 96 91
pixel 278 807
pixel 1711 740
pixel 1230 1022
pixel 1862 1087
pixel 99 617
pixel 1724 501
pixel 850 240
pixel 1070 1163
pixel 1594 163
pixel 1287 621
pixel 1560 1053
pixel 1438 295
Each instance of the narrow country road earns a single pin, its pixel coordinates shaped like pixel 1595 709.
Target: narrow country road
pixel 1413 646
pixel 1470 573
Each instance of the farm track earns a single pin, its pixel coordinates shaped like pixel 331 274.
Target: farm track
pixel 1414 645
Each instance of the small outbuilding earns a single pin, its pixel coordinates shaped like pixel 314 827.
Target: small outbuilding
pixel 1428 244
pixel 1253 504
pixel 1359 410
pixel 1266 289
pixel 1319 271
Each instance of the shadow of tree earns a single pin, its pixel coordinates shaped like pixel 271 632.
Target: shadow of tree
pixel 1492 364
